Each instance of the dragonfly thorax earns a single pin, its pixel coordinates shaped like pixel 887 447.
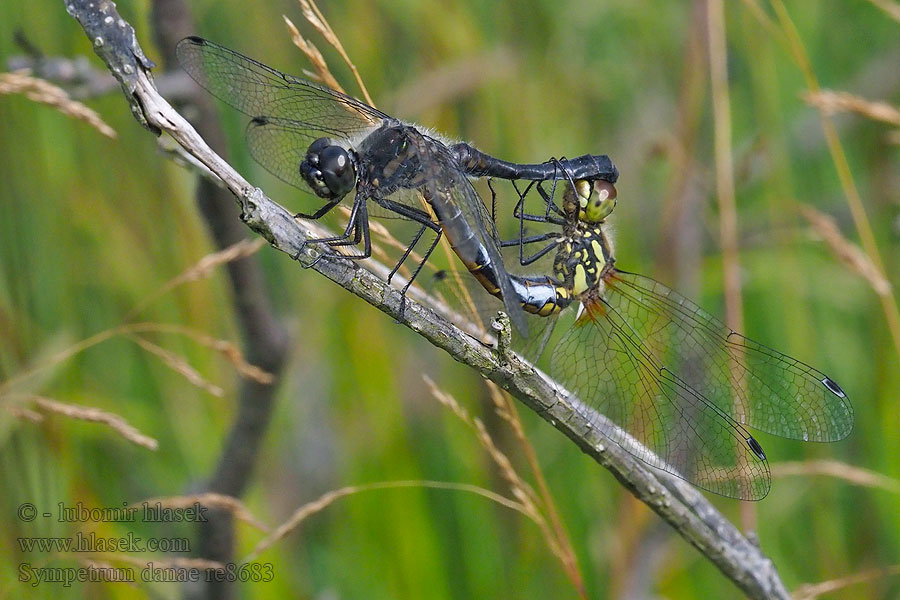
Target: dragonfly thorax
pixel 583 259
pixel 328 169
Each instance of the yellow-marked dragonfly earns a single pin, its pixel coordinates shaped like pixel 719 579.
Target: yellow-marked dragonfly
pixel 325 142
pixel 671 384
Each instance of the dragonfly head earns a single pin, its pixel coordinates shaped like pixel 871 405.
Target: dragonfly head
pixel 328 169
pixel 591 201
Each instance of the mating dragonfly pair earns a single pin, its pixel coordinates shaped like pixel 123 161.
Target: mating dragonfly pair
pixel 680 387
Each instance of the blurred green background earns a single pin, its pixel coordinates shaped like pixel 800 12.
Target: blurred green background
pixel 89 227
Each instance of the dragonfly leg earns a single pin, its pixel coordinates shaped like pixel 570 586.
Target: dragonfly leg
pixel 527 260
pixel 424 219
pixel 357 227
pixel 419 216
pixel 319 213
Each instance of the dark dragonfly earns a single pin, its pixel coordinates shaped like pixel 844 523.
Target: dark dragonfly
pixel 325 142
pixel 672 385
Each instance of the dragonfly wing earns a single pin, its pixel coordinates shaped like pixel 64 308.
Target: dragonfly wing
pixel 260 91
pixel 440 174
pixel 280 145
pixel 755 385
pixel 475 212
pixel 651 413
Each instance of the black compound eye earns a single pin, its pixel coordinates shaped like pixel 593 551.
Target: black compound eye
pixel 337 170
pixel 316 148
pixel 328 169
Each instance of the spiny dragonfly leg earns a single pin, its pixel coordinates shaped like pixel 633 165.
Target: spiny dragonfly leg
pixel 424 219
pixel 357 229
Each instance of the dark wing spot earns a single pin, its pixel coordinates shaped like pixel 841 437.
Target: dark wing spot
pixel 755 447
pixel 834 388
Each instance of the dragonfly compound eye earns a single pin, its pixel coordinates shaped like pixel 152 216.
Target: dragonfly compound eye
pixel 337 170
pixel 327 169
pixel 601 203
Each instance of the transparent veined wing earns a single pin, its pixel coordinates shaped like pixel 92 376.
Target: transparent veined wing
pixel 261 91
pixel 650 412
pixel 755 385
pixel 463 216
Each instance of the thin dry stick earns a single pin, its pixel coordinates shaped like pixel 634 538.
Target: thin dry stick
pixel 327 499
pixel 44 92
pixel 839 470
pixel 860 218
pixel 810 591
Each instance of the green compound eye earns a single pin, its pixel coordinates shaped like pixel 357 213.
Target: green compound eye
pixel 601 203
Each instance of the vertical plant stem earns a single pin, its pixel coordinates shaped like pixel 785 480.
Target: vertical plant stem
pixel 721 101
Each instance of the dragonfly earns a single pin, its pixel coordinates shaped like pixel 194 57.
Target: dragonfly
pixel 329 144
pixel 661 377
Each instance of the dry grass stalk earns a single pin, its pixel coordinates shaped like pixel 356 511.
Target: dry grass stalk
pixel 25 414
pixel 42 91
pixel 94 415
pixel 226 348
pixel 327 499
pixel 209 499
pixel 506 410
pixel 165 563
pixel 201 269
pixel 179 365
pixel 892 9
pixel 519 488
pixel 810 591
pixel 315 17
pixel 839 470
pixel 832 102
pixel 315 57
pixel 846 251
pixel 532 506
